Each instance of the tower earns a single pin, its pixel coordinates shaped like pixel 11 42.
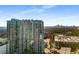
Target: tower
pixel 25 36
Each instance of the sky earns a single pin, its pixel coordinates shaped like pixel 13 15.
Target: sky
pixel 67 15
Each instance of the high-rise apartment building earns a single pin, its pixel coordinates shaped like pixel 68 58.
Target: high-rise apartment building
pixel 25 36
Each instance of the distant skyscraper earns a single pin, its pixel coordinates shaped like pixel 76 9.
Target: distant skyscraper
pixel 25 36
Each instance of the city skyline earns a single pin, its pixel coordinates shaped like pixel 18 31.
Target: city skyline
pixel 51 14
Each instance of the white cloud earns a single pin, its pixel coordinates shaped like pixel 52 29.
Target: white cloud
pixel 2 23
pixel 37 10
pixel 65 20
pixel 71 17
pixel 48 6
pixel 31 11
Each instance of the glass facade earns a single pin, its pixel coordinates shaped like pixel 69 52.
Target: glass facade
pixel 25 36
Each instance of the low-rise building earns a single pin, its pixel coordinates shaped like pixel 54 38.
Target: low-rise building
pixel 67 42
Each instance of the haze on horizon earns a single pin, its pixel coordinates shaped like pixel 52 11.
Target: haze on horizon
pixel 67 15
